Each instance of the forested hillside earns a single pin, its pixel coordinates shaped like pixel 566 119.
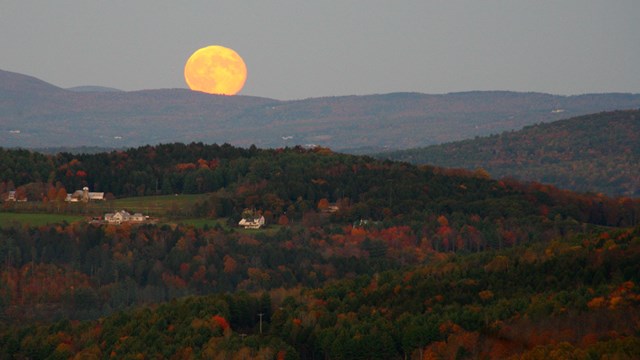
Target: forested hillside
pixel 361 258
pixel 34 114
pixel 294 181
pixel 574 298
pixel 597 153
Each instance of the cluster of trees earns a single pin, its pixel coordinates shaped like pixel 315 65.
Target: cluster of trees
pixel 135 172
pixel 599 153
pixel 582 293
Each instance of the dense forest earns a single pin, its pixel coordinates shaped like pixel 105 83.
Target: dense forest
pixel 413 261
pixel 598 153
pixel 571 298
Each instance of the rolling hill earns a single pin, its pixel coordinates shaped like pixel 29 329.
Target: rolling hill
pixel 412 262
pixel 34 113
pixel 598 152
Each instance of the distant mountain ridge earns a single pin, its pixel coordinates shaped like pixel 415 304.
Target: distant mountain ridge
pixel 92 88
pixel 597 152
pixel 34 113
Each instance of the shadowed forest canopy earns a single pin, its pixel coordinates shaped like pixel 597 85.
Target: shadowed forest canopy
pixel 597 153
pixel 361 258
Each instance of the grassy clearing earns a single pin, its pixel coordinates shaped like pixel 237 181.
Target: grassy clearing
pixel 268 230
pixel 159 206
pixel 36 219
pixel 39 219
pixel 201 222
pixel 162 205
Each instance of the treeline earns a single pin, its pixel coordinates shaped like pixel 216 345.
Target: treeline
pixel 293 181
pixel 134 172
pixel 597 153
pixel 576 298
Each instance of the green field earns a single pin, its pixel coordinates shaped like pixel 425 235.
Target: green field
pixel 163 205
pixel 170 206
pixel 202 222
pixel 36 219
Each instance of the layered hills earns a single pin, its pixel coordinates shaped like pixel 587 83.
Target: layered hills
pixel 34 113
pixel 360 259
pixel 597 152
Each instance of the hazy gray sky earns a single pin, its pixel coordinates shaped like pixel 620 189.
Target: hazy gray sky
pixel 297 49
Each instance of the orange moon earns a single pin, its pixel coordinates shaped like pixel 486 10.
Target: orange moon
pixel 215 70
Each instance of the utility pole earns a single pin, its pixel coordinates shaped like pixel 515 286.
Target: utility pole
pixel 261 314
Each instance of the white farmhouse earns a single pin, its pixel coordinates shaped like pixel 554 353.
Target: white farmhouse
pixel 118 217
pixel 123 216
pixel 252 223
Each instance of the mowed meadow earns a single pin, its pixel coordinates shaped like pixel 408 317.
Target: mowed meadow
pixel 162 206
pixel 171 206
pixel 162 209
pixel 38 219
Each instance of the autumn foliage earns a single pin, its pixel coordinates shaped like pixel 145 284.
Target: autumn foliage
pixel 411 262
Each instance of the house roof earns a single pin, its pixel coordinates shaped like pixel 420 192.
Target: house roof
pixel 252 221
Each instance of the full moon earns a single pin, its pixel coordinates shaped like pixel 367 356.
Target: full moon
pixel 215 70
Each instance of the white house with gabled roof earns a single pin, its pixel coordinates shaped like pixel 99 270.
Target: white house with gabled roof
pixel 252 222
